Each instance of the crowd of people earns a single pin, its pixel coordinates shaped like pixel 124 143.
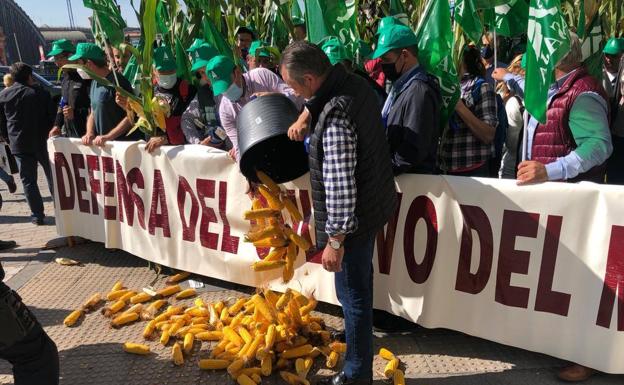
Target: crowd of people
pixel 365 124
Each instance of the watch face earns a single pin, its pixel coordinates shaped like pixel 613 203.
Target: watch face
pixel 334 244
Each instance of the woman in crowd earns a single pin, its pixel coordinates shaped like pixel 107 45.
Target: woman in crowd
pixel 514 107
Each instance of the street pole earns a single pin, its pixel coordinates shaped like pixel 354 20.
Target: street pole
pixel 19 53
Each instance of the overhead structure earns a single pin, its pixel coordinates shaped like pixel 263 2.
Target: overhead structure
pixel 22 38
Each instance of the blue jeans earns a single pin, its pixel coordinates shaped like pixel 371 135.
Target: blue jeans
pixel 27 164
pixel 354 288
pixel 6 178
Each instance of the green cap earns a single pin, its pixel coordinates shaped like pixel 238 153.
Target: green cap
pixel 335 50
pixel 258 48
pixel 88 51
pixel 297 20
pixel 164 59
pixel 396 36
pixel 60 46
pixel 219 71
pixel 202 55
pixel 387 22
pixel 613 47
pixel 196 44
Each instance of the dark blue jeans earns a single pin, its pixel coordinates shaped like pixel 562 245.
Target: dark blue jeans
pixel 354 288
pixel 27 164
pixel 6 178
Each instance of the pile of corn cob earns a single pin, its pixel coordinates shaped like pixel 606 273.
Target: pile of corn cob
pixel 268 228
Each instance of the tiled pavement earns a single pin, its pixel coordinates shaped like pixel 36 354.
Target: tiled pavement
pixel 91 352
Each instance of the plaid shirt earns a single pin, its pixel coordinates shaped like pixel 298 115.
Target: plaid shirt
pixel 340 159
pixel 461 149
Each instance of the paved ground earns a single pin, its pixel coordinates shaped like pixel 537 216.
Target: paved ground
pixel 91 352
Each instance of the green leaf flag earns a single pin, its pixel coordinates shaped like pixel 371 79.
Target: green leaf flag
pixel 467 17
pixel 485 4
pixel 548 42
pixel 592 45
pixel 109 17
pixel 435 51
pixel 511 20
pixel 332 18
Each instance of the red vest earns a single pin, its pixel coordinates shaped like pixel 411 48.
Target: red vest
pixel 554 139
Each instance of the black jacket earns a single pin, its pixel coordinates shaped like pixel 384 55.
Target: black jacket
pixel 75 91
pixel 26 116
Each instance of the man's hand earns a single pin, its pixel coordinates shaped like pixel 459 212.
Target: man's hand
pixel 499 74
pixel 460 105
pixel 55 131
pixel 332 259
pixel 68 113
pixel 121 101
pixel 100 140
pixel 207 142
pixel 298 130
pixel 87 139
pixel 155 142
pixel 531 172
pixel 232 154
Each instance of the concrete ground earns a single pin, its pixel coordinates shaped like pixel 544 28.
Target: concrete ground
pixel 91 352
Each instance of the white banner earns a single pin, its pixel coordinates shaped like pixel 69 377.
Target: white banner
pixel 537 267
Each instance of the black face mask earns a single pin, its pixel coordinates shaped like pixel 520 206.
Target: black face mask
pixel 390 71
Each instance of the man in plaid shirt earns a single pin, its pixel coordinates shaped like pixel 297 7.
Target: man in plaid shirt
pixel 467 142
pixel 353 190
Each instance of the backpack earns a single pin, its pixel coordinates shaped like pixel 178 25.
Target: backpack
pixel 503 124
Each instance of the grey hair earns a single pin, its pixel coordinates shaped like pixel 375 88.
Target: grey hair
pixel 573 57
pixel 302 58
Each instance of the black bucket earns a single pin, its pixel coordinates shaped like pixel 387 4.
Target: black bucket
pixel 263 142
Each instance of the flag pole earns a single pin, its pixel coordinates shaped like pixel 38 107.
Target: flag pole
pixel 495 50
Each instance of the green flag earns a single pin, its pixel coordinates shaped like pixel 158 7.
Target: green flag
pixel 295 11
pixel 398 11
pixel 580 28
pixel 107 17
pixel 511 20
pixel 467 17
pixel 548 42
pixel 485 4
pixel 592 45
pixel 435 51
pixel 332 18
pixel 278 31
pixel 215 38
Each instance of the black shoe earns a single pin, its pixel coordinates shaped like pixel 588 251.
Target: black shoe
pixel 12 186
pixel 384 322
pixel 37 221
pixel 5 245
pixel 341 379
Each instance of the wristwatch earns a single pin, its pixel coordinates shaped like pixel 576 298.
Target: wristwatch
pixel 335 244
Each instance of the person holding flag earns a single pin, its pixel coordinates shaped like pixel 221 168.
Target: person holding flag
pixel 244 37
pixel 411 114
pixel 73 110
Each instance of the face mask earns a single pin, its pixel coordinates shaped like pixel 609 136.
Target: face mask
pixel 203 82
pixel 234 92
pixel 390 70
pixel 83 74
pixel 167 81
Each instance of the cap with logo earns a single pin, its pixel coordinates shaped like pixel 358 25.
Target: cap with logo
pixel 259 48
pixel 88 51
pixel 164 59
pixel 298 20
pixel 363 49
pixel 335 50
pixel 202 55
pixel 387 22
pixel 219 71
pixel 60 46
pixel 196 44
pixel 393 37
pixel 613 47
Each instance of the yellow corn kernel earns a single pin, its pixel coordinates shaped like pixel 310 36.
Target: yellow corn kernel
pixel 386 354
pixel 261 213
pixel 73 317
pixel 238 305
pixel 117 286
pixel 164 337
pixel 136 348
pixel 299 351
pixel 271 198
pixel 176 354
pixel 232 336
pixel 332 359
pixel 268 265
pixel 169 290
pixel 92 302
pixel 186 293
pixel 115 295
pixel 398 378
pixel 244 379
pixel 391 366
pixel 124 319
pixel 188 342
pixel 293 379
pixel 338 347
pixel 212 364
pixel 295 214
pixel 235 367
pixel 177 278
pixel 149 329
pixel 140 298
pixel 209 336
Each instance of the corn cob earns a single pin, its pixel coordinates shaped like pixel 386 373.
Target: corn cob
pixel 297 239
pixel 114 308
pixel 284 299
pixel 149 329
pixel 267 265
pixel 186 293
pixel 271 242
pixel 73 317
pixel 263 308
pixel 305 310
pixel 261 214
pixel 136 348
pixel 386 354
pixel 150 312
pixel 289 269
pixel 293 309
pixel 276 254
pixel 299 351
pixel 164 337
pixel 235 367
pixel 126 297
pixel 124 319
pixel 268 182
pixel 117 286
pixel 250 354
pixel 169 290
pixel 244 379
pixel 238 305
pixel 251 371
pixel 293 379
pixel 271 198
pixel 398 378
pixel 140 298
pixel 391 366
pixel 231 335
pixel 188 342
pixel 256 378
pixel 137 308
pixel 177 278
pixel 338 347
pixel 115 295
pixel 302 366
pixel 290 206
pixel 176 354
pixel 332 359
pixel 266 364
pixel 92 302
pixel 267 232
pixel 211 364
pixel 210 336
pixel 244 333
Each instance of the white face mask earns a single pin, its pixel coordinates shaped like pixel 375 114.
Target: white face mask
pixel 167 81
pixel 234 92
pixel 83 74
pixel 203 82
